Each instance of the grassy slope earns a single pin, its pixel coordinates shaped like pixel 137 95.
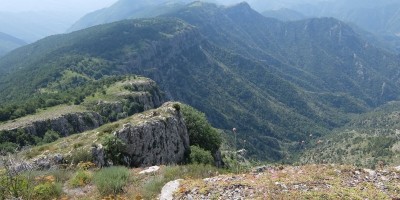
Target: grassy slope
pixel 42 115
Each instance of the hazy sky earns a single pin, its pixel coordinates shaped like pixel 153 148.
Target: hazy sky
pixel 53 5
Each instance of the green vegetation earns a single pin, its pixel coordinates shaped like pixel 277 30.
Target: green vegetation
pixel 80 155
pixel 111 180
pixel 50 136
pixel 9 43
pixel 47 190
pixel 367 140
pixel 81 179
pixel 200 156
pixel 114 149
pixel 276 82
pixel 72 93
pixel 27 185
pixel 117 99
pixel 201 133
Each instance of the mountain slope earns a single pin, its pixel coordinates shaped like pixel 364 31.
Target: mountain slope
pixel 9 43
pixel 284 14
pixel 374 16
pixel 127 9
pixel 322 49
pixel 381 18
pixel 277 82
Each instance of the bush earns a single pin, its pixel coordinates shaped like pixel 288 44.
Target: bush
pixel 201 133
pixel 47 191
pixel 114 149
pixel 13 186
pixel 8 147
pixel 200 156
pixel 80 155
pixel 80 179
pixel 111 180
pixel 50 136
pixel 61 175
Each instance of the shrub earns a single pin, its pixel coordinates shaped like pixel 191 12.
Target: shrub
pixel 201 133
pixel 16 186
pixel 50 136
pixel 61 175
pixel 47 191
pixel 31 153
pixel 80 179
pixel 111 180
pixel 86 165
pixel 200 156
pixel 80 155
pixel 8 147
pixel 114 149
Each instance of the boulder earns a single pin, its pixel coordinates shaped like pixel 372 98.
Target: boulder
pixel 167 192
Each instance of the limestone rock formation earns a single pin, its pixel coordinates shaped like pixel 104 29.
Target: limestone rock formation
pixel 156 137
pixel 65 124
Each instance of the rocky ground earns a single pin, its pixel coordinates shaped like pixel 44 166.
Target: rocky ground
pixel 297 182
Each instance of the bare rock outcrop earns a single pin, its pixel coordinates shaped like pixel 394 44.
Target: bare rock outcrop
pixel 156 137
pixel 65 124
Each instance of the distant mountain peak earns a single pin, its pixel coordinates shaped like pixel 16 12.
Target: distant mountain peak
pixel 242 6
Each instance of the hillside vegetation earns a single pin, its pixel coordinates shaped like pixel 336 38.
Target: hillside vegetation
pixel 276 82
pixel 9 43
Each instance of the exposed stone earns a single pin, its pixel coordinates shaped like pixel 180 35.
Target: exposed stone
pixel 65 124
pixel 156 140
pixel 98 155
pixel 167 192
pixel 218 161
pixel 371 172
pixel 45 162
pixel 150 170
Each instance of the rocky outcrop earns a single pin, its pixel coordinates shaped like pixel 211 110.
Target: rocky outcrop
pixel 218 161
pixel 167 192
pixel 156 137
pixel 139 95
pixel 98 155
pixel 65 124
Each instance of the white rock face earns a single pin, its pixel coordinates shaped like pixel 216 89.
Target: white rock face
pixel 150 170
pixel 167 192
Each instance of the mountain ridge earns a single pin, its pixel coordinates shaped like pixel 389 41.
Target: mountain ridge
pixel 9 43
pixel 279 81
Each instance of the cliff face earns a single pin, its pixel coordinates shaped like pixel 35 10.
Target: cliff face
pixel 157 137
pixel 65 124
